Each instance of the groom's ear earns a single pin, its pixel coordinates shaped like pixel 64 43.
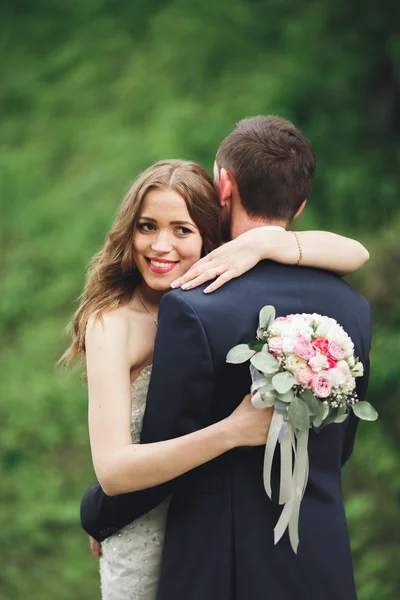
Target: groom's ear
pixel 301 208
pixel 225 187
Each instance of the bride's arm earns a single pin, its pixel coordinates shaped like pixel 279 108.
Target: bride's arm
pixel 319 249
pixel 123 467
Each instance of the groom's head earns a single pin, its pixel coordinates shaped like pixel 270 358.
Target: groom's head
pixel 263 172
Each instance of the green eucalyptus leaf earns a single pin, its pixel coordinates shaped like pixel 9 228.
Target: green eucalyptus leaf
pixel 299 415
pixel 322 414
pixel 332 414
pixel 265 362
pixel 239 354
pixel 315 407
pixel 265 350
pixel 257 345
pixel 267 315
pixel 341 418
pixel 342 410
pixel 282 382
pixel 273 362
pixel 287 397
pixel 365 411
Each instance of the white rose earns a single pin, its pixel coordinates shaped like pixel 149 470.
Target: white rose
pixel 293 363
pixel 324 328
pixel 336 335
pixel 349 385
pixel 276 328
pixel 308 333
pixel 303 327
pixel 300 320
pixel 348 348
pixel 321 330
pixel 288 344
pixel 297 321
pixel 318 362
pixel 316 318
pixel 358 370
pixel 337 376
pixel 289 330
pixel 344 367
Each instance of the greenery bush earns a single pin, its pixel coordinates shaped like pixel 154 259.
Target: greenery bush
pixel 94 91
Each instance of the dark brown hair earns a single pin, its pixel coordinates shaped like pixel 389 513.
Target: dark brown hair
pixel 272 163
pixel 112 275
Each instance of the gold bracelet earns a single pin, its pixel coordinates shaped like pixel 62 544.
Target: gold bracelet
pixel 296 237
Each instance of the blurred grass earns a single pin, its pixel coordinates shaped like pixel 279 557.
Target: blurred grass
pixel 91 94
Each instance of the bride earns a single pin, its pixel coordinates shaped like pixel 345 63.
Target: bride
pixel 168 220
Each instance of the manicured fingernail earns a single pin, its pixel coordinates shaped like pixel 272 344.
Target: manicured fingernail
pixel 185 286
pixel 174 285
pixel 206 291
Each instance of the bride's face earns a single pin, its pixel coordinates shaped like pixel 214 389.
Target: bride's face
pixel 166 242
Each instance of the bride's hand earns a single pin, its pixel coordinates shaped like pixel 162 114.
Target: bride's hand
pixel 226 262
pixel 248 425
pixel 95 547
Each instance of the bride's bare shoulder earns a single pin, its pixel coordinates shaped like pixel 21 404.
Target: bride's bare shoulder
pixel 122 328
pixel 112 323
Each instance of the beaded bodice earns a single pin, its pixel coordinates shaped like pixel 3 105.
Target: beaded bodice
pixel 139 396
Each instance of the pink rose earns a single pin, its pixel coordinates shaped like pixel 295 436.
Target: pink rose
pixel 331 363
pixel 335 351
pixel 321 344
pixel 303 348
pixel 304 376
pixel 322 385
pixel 275 345
pixel 280 319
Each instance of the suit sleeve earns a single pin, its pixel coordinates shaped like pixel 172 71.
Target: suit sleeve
pixel 178 402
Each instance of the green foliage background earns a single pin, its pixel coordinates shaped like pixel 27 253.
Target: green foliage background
pixel 91 93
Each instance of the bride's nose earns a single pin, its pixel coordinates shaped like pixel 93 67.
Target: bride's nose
pixel 162 242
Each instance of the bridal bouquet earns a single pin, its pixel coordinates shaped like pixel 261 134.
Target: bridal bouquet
pixel 304 366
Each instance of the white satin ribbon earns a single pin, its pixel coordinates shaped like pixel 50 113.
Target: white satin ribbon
pixel 294 467
pixel 273 435
pixel 289 518
pixel 285 490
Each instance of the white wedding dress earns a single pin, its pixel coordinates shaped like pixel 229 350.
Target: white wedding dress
pixel 131 559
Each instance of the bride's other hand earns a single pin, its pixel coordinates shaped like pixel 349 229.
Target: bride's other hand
pixel 319 249
pixel 248 425
pixel 226 262
pixel 95 547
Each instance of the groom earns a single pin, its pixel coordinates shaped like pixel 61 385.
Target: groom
pixel 219 540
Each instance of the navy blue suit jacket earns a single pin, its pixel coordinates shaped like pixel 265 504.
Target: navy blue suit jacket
pixel 219 539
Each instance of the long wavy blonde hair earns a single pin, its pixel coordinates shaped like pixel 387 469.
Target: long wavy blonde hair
pixel 112 274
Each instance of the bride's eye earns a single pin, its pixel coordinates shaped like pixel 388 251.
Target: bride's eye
pixel 146 227
pixel 183 230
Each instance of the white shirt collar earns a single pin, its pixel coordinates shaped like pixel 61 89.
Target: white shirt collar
pixel 272 227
